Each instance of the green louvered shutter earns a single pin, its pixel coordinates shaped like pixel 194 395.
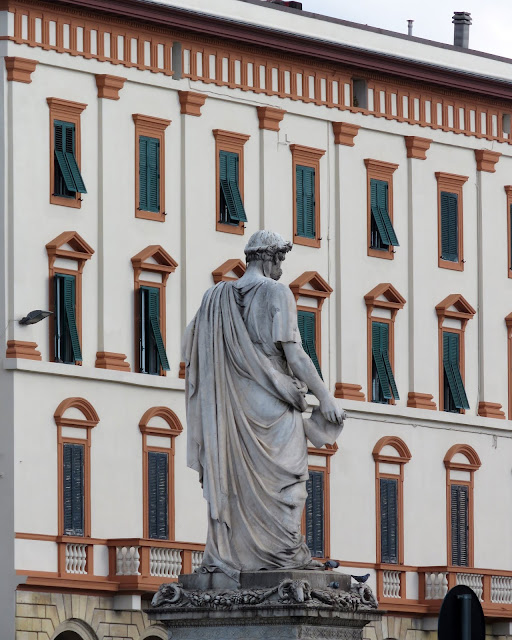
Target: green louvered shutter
pixel 460 525
pixel 379 344
pixel 153 303
pixel 315 514
pixel 389 520
pixel 376 195
pixel 149 174
pixel 384 346
pixel 449 226
pixel 73 489
pixel 158 495
pixel 510 237
pixel 229 174
pixel 69 305
pixel 69 150
pixel 305 201
pixel 451 360
pixel 306 321
pixel 143 173
pixel 60 130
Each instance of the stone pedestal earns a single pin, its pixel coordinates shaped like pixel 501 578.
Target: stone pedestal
pixel 267 605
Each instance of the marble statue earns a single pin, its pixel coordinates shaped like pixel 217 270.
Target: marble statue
pixel 247 376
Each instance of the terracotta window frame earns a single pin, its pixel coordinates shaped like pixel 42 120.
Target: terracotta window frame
pixel 311 285
pixel 471 466
pixel 174 429
pixel 326 452
pixel 307 157
pixel 152 128
pixel 88 422
pixel 393 302
pixel 452 183
pixel 67 111
pixel 403 456
pixel 508 321
pixel 379 170
pixel 508 191
pixel 80 252
pixel 464 312
pixel 235 266
pixel 232 142
pixel 164 265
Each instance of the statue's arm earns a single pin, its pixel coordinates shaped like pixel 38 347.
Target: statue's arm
pixel 303 368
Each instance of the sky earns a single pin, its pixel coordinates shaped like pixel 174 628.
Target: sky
pixel 490 31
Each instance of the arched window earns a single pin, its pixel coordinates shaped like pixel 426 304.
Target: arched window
pixel 461 461
pixel 159 427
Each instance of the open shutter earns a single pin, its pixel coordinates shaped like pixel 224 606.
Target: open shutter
pixel 73 489
pixel 69 304
pixel 380 337
pixel 158 495
pixel 451 365
pixel 384 347
pixel 389 520
pixel 375 197
pixel 143 173
pixel 449 226
pixel 308 189
pixel 383 205
pixel 315 514
pixel 229 184
pixel 59 143
pixel 153 175
pixel 459 525
pixel 299 200
pixel 153 303
pixel 69 150
pixel 306 321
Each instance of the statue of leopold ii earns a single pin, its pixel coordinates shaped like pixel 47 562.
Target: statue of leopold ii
pixel 246 380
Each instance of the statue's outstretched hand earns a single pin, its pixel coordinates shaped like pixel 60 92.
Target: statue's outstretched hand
pixel 331 410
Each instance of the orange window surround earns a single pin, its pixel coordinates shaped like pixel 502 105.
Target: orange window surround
pixel 378 170
pixel 307 157
pixel 451 183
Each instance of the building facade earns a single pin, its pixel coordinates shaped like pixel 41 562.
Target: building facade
pixel 142 144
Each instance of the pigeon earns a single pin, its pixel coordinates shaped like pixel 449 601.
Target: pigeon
pixel 334 585
pixel 331 564
pixel 361 579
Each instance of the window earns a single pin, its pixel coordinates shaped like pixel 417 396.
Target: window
pixel 158 471
pixel 152 354
pixel 508 191
pixel 151 268
pixel 388 520
pixel 310 291
pixel 382 304
pixel 73 488
pixel 66 296
pixel 66 182
pixel 315 513
pixel 450 227
pixel 229 179
pixel 461 462
pixel 150 167
pixel 381 236
pixel 452 394
pixel 306 195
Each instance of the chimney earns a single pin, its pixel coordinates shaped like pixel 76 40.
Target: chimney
pixel 290 3
pixel 409 27
pixel 461 21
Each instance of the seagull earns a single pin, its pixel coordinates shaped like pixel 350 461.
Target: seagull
pixel 361 579
pixel 331 564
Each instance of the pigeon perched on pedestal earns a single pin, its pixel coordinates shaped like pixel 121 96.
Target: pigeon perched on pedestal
pixel 361 579
pixel 331 564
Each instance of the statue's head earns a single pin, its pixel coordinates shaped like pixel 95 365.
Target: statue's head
pixel 270 249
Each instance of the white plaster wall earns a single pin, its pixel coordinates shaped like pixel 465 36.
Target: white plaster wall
pixel 36 555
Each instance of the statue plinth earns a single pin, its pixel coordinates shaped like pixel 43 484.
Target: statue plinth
pixel 267 605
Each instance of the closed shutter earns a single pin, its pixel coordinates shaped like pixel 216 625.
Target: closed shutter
pixel 149 174
pixel 306 321
pixel 315 514
pixel 69 304
pixel 73 489
pixel 451 364
pixel 305 201
pixel 379 205
pixel 153 304
pixel 389 520
pixel 229 176
pixel 449 226
pixel 60 136
pixel 380 338
pixel 460 524
pixel 158 495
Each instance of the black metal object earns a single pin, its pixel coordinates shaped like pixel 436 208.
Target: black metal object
pixel 461 616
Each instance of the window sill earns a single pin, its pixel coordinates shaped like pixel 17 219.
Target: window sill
pixel 150 215
pixel 93 373
pixel 237 229
pixel 306 242
pixel 384 254
pixel 73 203
pixel 448 264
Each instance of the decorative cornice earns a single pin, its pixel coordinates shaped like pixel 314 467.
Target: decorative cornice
pixel 416 400
pixel 149 121
pixel 164 263
pixel 66 106
pixel 230 137
pixel 394 300
pixel 468 452
pixel 81 251
pixel 270 118
pixel 417 147
pixel 320 288
pixel 20 69
pixel 486 160
pixel 464 311
pixel 301 152
pixel 377 166
pixel 109 86
pixel 450 179
pixel 344 133
pixel 175 427
pixel 191 102
pixel 22 349
pixel 348 391
pixel 403 457
pixel 490 410
pixel 234 265
pixel 89 420
pixel 109 360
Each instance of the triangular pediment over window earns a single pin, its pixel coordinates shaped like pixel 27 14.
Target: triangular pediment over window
pixel 70 245
pixel 229 270
pixel 311 284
